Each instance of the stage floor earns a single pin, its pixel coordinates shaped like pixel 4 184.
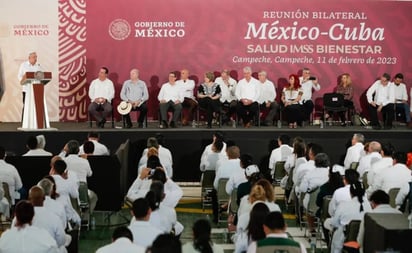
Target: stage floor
pixel 187 143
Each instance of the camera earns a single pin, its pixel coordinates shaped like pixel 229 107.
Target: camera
pixel 312 78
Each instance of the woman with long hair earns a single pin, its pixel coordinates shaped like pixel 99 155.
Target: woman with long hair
pixel 202 242
pixel 291 100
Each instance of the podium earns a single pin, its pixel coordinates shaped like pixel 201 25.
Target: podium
pixel 35 116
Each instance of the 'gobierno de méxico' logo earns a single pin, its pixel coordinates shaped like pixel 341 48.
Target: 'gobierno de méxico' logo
pixel 119 29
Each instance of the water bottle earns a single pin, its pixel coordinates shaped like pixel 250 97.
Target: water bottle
pixel 312 242
pixel 410 221
pixel 93 223
pixel 279 124
pixel 194 124
pixel 233 123
pixel 321 124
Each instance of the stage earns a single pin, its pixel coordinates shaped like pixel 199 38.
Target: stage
pixel 187 143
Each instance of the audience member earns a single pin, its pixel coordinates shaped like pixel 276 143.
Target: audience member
pixel 209 93
pixel 99 148
pixel 10 175
pixel 202 241
pixel 88 149
pixel 308 84
pixel 122 242
pixel 379 166
pixel 170 96
pixel 276 237
pixel 381 98
pixel 354 152
pixel 23 237
pixel 34 150
pixel 247 93
pixel 281 153
pixel 237 173
pixel 228 98
pixel 166 243
pixel 134 91
pixel 372 155
pixel 292 102
pixel 164 154
pixel 50 203
pixel 189 100
pixel 143 232
pixel 101 93
pixel 267 98
pixel 252 175
pixel 213 152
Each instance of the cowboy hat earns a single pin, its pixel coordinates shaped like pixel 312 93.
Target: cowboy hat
pixel 124 108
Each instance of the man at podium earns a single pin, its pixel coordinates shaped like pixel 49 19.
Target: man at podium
pixel 32 79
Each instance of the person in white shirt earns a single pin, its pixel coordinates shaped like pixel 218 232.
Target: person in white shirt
pixel 34 150
pixel 379 166
pixel 342 194
pixel 247 92
pixel 237 174
pixel 134 91
pixel 373 154
pixel 354 209
pixel 213 152
pixel 23 237
pixel 276 236
pixel 381 98
pixel 99 148
pixel 101 93
pixel 47 219
pixel 164 154
pixel 31 65
pixel 267 98
pixel 401 98
pixel 170 96
pixel 354 152
pixel 75 163
pixel 143 232
pixel 228 97
pixel 9 175
pixel 379 201
pixel 41 142
pixel 122 241
pixel 393 176
pixel 280 153
pixel 308 83
pixel 201 239
pixel 189 100
pixel 48 186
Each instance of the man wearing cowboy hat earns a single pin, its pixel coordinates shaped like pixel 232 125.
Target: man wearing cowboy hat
pixel 101 93
pixel 134 95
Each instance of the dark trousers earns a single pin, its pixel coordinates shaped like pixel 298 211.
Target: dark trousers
pixel 308 109
pixel 230 108
pixel 247 112
pixel 387 115
pixel 294 113
pixel 143 111
pixel 211 106
pixel 176 108
pixel 191 106
pixel 273 110
pixel 100 111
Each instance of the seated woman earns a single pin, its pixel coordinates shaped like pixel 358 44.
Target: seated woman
pixel 345 88
pixel 291 99
pixel 209 93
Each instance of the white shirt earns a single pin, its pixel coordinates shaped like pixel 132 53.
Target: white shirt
pixel 402 194
pixel 163 218
pixel 280 154
pixel 165 157
pixel 353 154
pixel 37 152
pixel 187 87
pixel 400 92
pixel 143 232
pixel 317 177
pixel 101 89
pixel 267 92
pixel 376 169
pixel 79 165
pixel 28 239
pixel 392 177
pixel 228 91
pixel 99 149
pixel 209 157
pixel 248 90
pixel 10 175
pixel 170 92
pixel 44 218
pixel 383 94
pixel 139 188
pixel 57 208
pixel 226 170
pixel 27 67
pixel 365 163
pixel 67 188
pixel 341 194
pixel 235 180
pixel 307 87
pixel 121 245
pixel 300 172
